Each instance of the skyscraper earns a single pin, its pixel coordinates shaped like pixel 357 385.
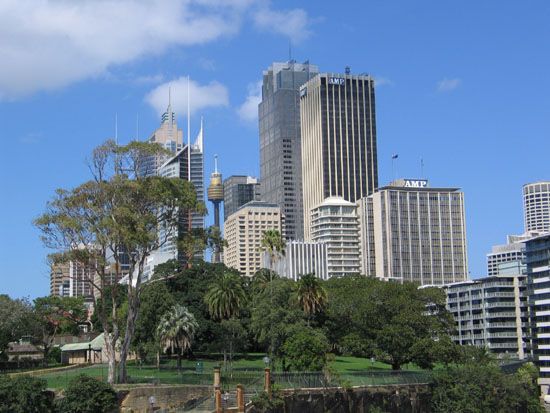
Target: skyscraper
pixel 411 232
pixel 536 206
pixel 186 162
pixel 280 148
pixel 338 130
pixel 237 191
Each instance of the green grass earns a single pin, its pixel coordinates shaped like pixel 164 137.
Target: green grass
pixel 246 369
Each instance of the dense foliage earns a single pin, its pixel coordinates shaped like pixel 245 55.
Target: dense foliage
pixel 24 394
pixel 484 388
pixel 87 395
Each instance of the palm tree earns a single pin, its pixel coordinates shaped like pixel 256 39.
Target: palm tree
pixel 274 245
pixel 224 298
pixel 176 330
pixel 311 294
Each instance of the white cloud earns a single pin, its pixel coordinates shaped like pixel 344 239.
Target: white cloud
pixel 382 81
pixel 248 111
pixel 446 85
pixel 291 23
pixel 201 96
pixel 48 44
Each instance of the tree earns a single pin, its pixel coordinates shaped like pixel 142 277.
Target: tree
pixel 176 330
pixel 394 320
pixel 482 388
pixel 57 315
pixel 156 300
pixel 24 394
pixel 16 320
pixel 225 298
pixel 274 245
pixel 306 348
pixel 114 222
pixel 311 295
pixel 84 394
pixel 274 313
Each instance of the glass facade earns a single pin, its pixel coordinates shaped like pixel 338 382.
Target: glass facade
pixel 280 141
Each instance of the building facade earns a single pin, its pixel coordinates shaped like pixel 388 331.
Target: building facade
pixel 243 232
pixel 280 142
pixel 411 232
pixel 237 191
pixel 492 313
pixel 537 258
pixel 512 251
pixel 339 156
pixel 536 206
pixel 334 223
pixel 185 161
pixel 301 258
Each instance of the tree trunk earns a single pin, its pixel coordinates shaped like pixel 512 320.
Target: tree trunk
pixel 133 309
pixel 179 361
pixel 158 360
pixel 111 357
pixel 395 366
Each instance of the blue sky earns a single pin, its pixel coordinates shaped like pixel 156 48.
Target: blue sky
pixel 463 85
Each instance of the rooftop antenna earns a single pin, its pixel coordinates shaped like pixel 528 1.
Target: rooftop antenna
pixel 347 70
pixel 215 164
pixel 188 131
pixel 289 50
pixel 422 168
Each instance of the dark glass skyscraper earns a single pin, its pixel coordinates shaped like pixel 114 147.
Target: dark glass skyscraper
pixel 237 191
pixel 338 130
pixel 280 148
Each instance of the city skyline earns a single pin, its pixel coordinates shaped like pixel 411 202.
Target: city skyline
pixel 444 77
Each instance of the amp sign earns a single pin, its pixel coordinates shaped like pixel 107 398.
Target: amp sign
pixel 416 183
pixel 336 81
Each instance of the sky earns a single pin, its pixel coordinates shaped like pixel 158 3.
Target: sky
pixel 465 86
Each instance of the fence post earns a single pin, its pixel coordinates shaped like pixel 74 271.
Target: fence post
pixel 218 399
pixel 267 381
pixel 240 398
pixel 217 377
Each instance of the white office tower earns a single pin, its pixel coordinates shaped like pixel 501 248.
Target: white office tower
pixel 536 206
pixel 411 232
pixel 244 230
pixel 301 258
pixel 334 223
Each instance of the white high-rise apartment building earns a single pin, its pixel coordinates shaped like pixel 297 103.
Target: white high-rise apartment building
pixel 244 230
pixel 334 223
pixel 411 232
pixel 536 206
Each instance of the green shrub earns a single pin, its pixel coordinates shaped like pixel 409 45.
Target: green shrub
pixel 85 394
pixel 24 394
pixel 306 349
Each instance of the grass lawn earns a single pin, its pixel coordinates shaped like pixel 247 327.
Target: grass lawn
pixel 246 368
